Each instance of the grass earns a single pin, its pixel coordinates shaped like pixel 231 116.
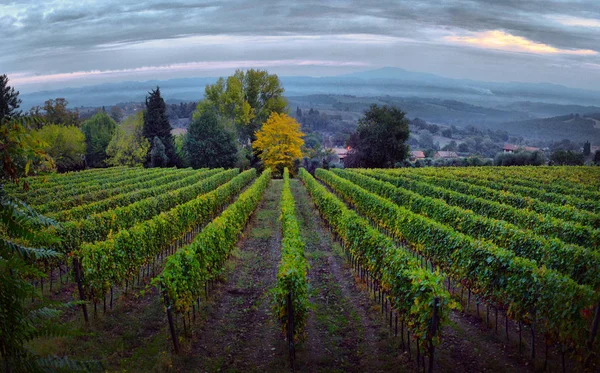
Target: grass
pixel 130 338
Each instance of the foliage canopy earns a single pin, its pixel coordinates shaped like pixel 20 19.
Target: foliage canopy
pixel 98 131
pixel 128 146
pixel 379 140
pixel 65 144
pixel 245 100
pixel 9 99
pixel 208 143
pixel 279 142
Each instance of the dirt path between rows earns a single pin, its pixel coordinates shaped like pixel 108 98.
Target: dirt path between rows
pixel 239 332
pixel 345 330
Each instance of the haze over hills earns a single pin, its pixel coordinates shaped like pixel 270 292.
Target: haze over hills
pixel 437 99
pixel 380 82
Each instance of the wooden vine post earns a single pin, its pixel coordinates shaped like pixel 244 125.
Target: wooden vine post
pixel 595 323
pixel 593 335
pixel 172 325
pixel 434 328
pixel 290 329
pixel 78 278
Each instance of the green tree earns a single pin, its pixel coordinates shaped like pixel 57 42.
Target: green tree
pixel 519 158
pixel 9 100
pixel 245 100
pixel 156 124
pixel 128 146
pixel 20 152
pixel 463 147
pixel 380 138
pixel 451 146
pixel 178 141
pixel 158 157
pixel 55 112
pixel 567 158
pixel 116 113
pixel 426 140
pixel 98 131
pixel 208 143
pixel 66 145
pixel 597 157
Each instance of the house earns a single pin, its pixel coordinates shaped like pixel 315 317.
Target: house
pixel 416 154
pixel 445 154
pixel 341 152
pixel 510 148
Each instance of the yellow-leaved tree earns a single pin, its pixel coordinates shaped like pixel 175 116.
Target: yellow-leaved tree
pixel 279 142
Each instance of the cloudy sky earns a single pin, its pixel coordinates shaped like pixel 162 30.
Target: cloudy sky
pixel 53 44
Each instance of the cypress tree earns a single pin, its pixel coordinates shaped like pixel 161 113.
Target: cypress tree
pixel 587 148
pixel 156 124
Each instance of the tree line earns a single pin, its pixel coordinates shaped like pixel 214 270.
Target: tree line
pixel 235 112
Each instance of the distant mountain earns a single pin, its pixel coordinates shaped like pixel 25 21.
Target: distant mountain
pixel 394 73
pixel 387 81
pixel 447 112
pixel 187 89
pixel 478 92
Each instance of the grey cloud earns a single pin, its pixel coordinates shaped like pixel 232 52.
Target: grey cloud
pixel 268 17
pixel 59 38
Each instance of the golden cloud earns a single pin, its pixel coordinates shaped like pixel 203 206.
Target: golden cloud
pixel 500 40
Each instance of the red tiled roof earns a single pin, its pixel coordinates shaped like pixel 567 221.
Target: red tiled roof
pixel 417 154
pixel 341 152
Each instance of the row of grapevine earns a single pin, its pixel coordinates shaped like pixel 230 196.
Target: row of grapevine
pixel 291 291
pixel 68 177
pixel 97 193
pixel 46 193
pixel 566 231
pixel 547 192
pixel 577 178
pixel 413 291
pixel 159 187
pixel 97 227
pixel 110 262
pixel 185 272
pixel 556 210
pixel 532 294
pixel 579 264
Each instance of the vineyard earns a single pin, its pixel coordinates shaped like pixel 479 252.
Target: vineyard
pixel 356 269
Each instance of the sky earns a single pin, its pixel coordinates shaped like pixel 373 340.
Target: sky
pixel 64 43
